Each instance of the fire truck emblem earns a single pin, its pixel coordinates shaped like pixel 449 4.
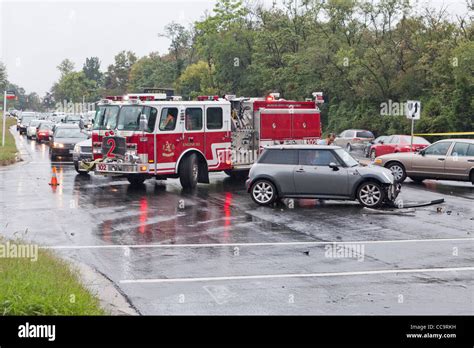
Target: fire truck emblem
pixel 168 149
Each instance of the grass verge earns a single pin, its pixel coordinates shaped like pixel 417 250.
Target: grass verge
pixel 8 152
pixel 47 286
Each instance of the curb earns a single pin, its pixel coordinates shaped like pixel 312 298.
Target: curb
pixel 111 298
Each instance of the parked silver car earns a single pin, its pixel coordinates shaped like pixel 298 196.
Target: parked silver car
pixel 354 139
pixel 318 171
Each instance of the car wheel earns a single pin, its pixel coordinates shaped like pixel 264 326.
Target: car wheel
pixel 263 192
pixel 373 155
pixel 136 179
pixel 417 180
pixel 472 177
pixel 398 171
pixel 189 171
pixel 348 147
pixel 371 194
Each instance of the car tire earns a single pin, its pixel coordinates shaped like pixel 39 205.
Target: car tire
pixel 371 194
pixel 373 155
pixel 136 179
pixel 189 171
pixel 417 180
pixel 472 177
pixel 348 147
pixel 263 192
pixel 398 171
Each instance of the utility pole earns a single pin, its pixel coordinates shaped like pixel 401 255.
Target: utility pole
pixel 4 117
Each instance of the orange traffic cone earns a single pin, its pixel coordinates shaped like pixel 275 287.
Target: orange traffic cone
pixel 54 179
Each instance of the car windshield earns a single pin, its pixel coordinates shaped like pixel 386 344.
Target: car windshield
pixel 26 119
pixel 70 119
pixel 44 126
pixel 34 123
pixel 346 158
pixel 69 133
pixel 129 118
pixel 364 134
pixel 106 117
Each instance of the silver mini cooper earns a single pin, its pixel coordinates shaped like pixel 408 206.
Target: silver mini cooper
pixel 318 171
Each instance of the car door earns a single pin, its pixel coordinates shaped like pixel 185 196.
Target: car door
pixel 383 149
pixel 431 161
pixel 459 161
pixel 314 177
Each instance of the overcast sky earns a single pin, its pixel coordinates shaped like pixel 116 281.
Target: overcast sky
pixel 35 36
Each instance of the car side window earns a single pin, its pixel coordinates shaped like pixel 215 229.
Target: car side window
pixel 438 149
pixel 470 151
pixel 460 149
pixel 394 140
pixel 316 157
pixel 277 156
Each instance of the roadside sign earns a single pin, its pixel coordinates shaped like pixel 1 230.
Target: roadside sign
pixel 10 95
pixel 413 109
pixel 413 112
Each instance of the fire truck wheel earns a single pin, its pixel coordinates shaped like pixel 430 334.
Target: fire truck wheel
pixel 263 192
pixel 189 171
pixel 136 179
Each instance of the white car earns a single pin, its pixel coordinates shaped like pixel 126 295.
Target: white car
pixel 31 129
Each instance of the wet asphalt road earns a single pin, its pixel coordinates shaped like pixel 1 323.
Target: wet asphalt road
pixel 213 251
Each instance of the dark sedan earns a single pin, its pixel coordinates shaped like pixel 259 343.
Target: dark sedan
pixel 64 139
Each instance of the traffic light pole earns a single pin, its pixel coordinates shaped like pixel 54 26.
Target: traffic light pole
pixel 4 117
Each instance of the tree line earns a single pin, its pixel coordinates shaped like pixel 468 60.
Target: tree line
pixel 361 54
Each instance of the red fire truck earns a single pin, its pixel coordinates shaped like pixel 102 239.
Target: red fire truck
pixel 154 135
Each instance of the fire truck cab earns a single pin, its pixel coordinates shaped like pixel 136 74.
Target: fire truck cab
pixel 145 135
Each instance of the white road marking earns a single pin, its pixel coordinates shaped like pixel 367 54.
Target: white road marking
pixel 296 275
pixel 212 245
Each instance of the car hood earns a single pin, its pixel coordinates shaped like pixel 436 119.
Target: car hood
pixel 399 155
pixel 381 173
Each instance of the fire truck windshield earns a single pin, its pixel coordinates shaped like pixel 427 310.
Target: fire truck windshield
pixel 106 117
pixel 129 117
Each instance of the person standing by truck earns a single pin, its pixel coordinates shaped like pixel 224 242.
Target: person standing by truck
pixel 328 140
